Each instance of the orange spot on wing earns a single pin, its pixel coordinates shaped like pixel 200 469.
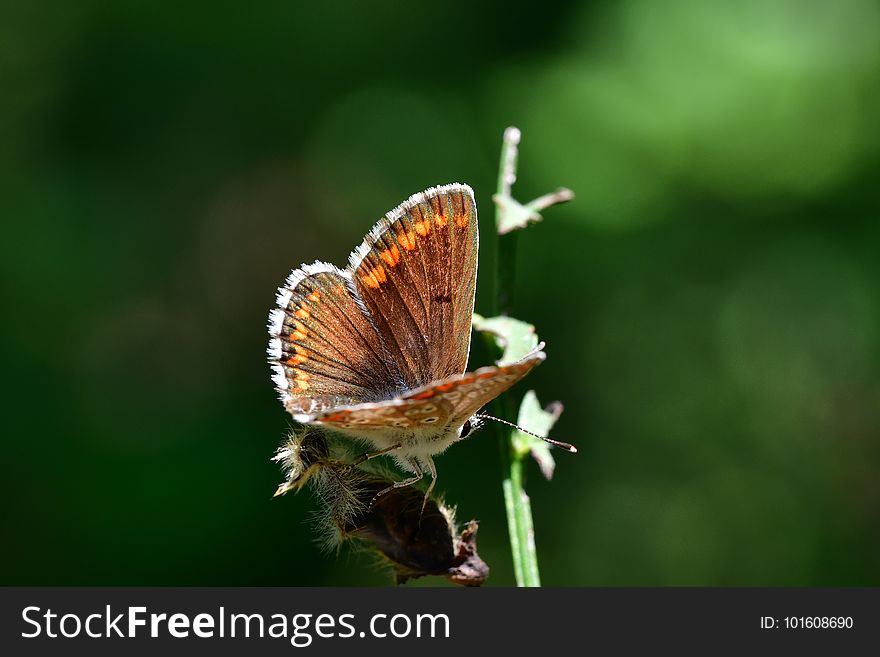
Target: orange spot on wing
pixel 336 417
pixel 300 331
pixel 391 256
pixel 445 387
pixel 422 227
pixel 375 278
pixel 440 219
pixel 298 359
pixel 303 312
pixel 486 375
pixel 423 395
pixel 315 296
pixel 462 220
pixel 407 240
pixel 302 379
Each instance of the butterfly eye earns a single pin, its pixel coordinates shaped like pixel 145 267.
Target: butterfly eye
pixel 466 429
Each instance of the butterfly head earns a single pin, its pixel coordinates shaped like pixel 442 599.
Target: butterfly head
pixel 471 424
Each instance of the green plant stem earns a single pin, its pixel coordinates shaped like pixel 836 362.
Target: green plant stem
pixel 505 255
pixel 516 502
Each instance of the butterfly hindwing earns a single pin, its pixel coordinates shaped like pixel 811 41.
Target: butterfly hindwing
pixel 416 273
pixel 324 349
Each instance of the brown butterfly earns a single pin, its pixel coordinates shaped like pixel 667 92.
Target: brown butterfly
pixel 378 351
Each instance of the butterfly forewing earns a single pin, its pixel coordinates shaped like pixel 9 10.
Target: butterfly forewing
pixel 466 394
pixel 416 273
pixel 442 404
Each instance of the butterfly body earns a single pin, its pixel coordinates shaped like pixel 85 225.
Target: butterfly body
pixel 415 445
pixel 378 351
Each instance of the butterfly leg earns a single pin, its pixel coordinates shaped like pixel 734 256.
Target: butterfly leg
pixel 417 477
pixel 371 455
pixel 432 469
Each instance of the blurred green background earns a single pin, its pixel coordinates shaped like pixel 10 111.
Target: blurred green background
pixel 709 301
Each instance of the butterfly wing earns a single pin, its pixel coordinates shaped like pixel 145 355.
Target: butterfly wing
pixel 465 394
pixel 324 348
pixel 416 272
pixel 444 405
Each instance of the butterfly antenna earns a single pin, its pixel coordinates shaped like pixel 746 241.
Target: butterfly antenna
pixel 566 446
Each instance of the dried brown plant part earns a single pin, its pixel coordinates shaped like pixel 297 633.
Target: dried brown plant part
pixel 416 542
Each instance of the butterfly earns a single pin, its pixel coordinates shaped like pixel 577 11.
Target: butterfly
pixel 378 351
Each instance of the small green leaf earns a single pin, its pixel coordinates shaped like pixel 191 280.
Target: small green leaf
pixel 537 420
pixel 515 338
pixel 512 214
